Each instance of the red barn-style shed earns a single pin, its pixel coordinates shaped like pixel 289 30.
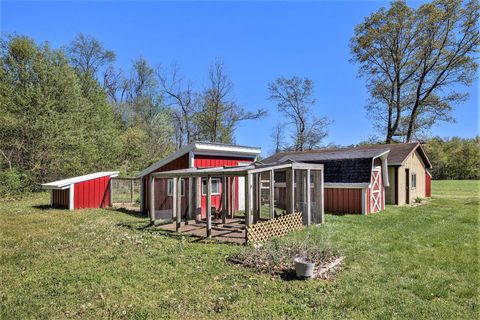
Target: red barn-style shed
pixel 88 191
pixel 197 155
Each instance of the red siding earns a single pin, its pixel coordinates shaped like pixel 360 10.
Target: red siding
pixel 206 161
pixel 93 193
pixel 343 200
pixel 164 202
pixel 61 198
pixel 428 185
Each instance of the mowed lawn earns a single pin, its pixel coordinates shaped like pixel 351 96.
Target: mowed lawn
pixel 406 262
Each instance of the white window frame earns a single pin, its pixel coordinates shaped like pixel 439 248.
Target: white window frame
pixel 170 188
pixel 204 186
pixel 413 180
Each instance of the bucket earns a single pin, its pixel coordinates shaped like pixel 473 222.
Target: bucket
pixel 303 269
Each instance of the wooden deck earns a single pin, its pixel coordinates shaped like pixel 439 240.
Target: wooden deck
pixel 232 231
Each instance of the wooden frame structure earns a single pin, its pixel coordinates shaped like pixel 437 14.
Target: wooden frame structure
pixel 252 186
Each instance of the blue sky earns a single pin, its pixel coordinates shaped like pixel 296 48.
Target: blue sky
pixel 258 41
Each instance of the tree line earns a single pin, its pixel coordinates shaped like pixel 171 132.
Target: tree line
pixel 454 158
pixel 70 111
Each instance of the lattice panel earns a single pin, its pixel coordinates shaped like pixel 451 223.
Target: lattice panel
pixel 278 227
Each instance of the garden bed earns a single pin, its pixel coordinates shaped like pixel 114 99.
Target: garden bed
pixel 276 258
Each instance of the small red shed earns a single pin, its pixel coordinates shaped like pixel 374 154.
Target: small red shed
pixel 88 191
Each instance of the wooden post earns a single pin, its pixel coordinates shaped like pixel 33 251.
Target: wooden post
pixel 322 197
pixel 151 199
pixel 272 194
pixel 308 199
pixel 258 196
pixel 142 194
pixel 292 192
pixel 131 190
pixel 233 201
pixel 224 200
pixel 178 214
pixel 319 195
pixel 174 198
pixel 209 206
pixel 190 199
pixel 255 206
pixel 198 199
pixel 248 199
pixel 110 194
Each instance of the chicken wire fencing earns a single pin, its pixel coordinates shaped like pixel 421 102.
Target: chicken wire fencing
pixel 125 191
pixel 316 196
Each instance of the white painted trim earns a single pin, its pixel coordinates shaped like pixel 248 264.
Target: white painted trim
pixel 364 201
pixel 66 183
pixel 212 193
pixel 191 159
pixel 375 202
pixel 227 148
pixel 334 185
pixel 385 180
pixel 224 154
pixel 71 197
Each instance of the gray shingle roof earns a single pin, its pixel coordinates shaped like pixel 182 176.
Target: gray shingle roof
pixel 397 155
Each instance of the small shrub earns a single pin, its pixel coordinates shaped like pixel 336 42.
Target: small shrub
pixel 418 200
pixel 14 183
pixel 276 255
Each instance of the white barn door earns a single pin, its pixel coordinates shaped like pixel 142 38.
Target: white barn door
pixel 241 188
pixel 376 190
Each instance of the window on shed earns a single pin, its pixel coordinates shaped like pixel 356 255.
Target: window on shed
pixel 215 186
pixel 170 187
pixel 414 180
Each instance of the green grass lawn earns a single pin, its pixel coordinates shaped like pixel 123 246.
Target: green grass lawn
pixel 406 262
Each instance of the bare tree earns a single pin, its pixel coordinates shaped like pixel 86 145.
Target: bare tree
pixel 278 137
pixel 180 96
pixel 294 97
pixel 219 114
pixel 116 85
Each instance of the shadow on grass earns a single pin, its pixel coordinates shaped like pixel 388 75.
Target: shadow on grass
pixel 137 226
pixel 130 212
pixel 44 207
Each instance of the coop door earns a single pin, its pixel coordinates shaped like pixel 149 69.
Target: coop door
pixel 376 190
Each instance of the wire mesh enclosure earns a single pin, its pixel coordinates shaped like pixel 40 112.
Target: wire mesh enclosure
pixel 126 191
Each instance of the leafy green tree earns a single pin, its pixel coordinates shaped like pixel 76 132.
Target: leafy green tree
pixel 48 128
pixel 454 158
pixel 414 60
pixel 88 55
